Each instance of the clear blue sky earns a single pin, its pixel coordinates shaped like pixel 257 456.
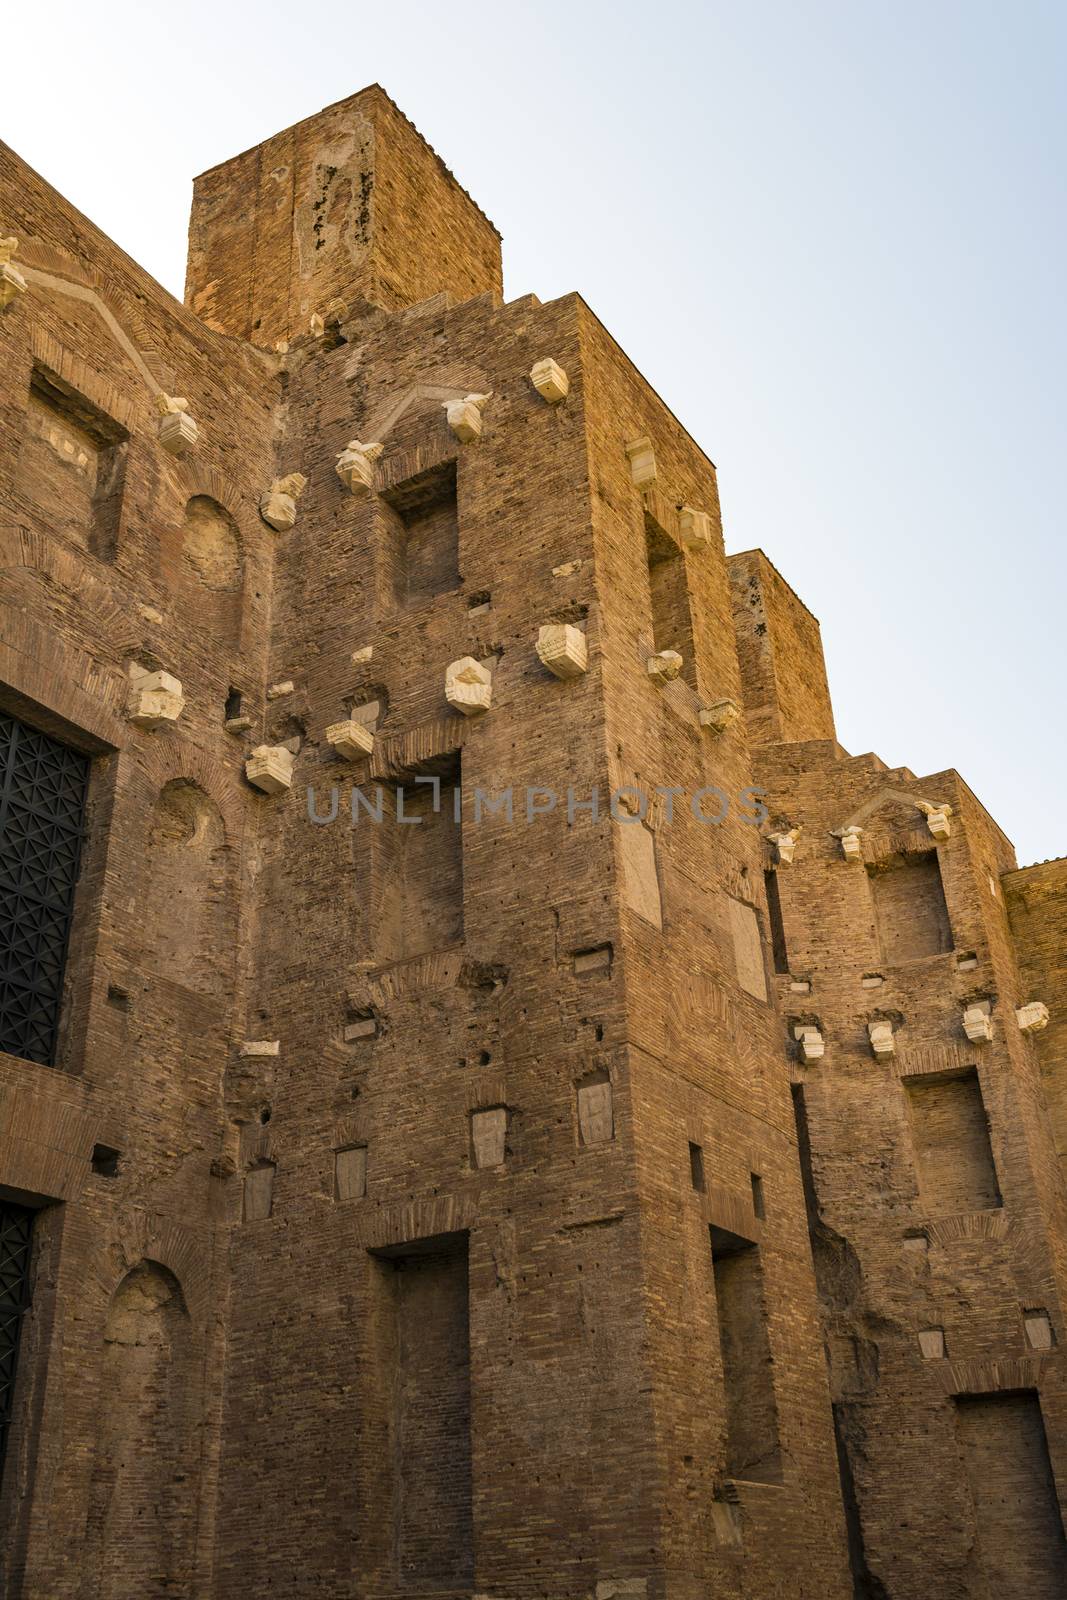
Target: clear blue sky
pixel 830 235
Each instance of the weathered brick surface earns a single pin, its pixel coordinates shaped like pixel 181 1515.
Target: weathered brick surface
pixel 328 1331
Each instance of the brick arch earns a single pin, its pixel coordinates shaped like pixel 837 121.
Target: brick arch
pixel 165 763
pixel 21 547
pixel 142 1237
pixel 196 477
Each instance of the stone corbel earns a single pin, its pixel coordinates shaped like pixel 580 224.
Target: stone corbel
pixel 468 686
pixel 465 416
pixel 562 648
pixel 550 380
pixel 810 1042
pixel 1032 1017
pixel 355 464
pixel 785 845
pixel 177 430
pixel 278 505
pixel 936 818
pixel 270 768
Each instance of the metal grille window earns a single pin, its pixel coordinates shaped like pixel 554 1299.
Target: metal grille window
pixel 16 1228
pixel 42 802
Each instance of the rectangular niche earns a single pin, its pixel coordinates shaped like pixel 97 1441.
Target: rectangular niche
pixel 422 528
pixel 950 1136
pixel 1019 1530
pixel 672 622
pixel 424 1351
pixel 753 1452
pixel 72 464
pixel 421 907
pixel 909 907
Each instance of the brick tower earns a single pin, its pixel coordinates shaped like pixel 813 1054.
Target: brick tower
pixel 474 1039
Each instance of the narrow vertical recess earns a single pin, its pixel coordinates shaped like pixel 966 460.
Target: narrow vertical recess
pixel 672 621
pixel 428 1350
pixel 774 912
pixel 752 1447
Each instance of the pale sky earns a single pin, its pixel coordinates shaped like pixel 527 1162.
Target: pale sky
pixel 830 235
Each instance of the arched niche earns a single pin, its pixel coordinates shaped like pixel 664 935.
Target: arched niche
pixel 142 1491
pixel 189 890
pixel 211 544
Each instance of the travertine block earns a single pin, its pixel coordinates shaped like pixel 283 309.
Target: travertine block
pixel 694 528
pixel 978 1024
pixel 811 1042
pixel 259 1192
pixel 664 666
pixel 280 691
pixel 567 569
pixel 155 699
pixel 642 461
pixel 785 844
pixel 881 1037
pixel 260 1047
pixel 720 715
pixel 1038 1327
pixel 851 845
pixel 177 430
pixel 1033 1017
pixel 550 380
pixel 355 464
pixel 239 724
pixel 932 1343
pixel 12 283
pixel 596 1119
pixel 365 653
pixel 350 739
pixel 468 686
pixel 465 416
pixel 270 768
pixel 350 1173
pixel 278 505
pixel 562 648
pixel 936 818
pixel 489 1136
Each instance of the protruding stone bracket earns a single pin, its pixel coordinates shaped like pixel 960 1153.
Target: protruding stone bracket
pixel 936 818
pixel 468 686
pixel 352 740
pixel 642 460
pixel 465 416
pixel 278 506
pixel 563 649
pixel 785 845
pixel 663 666
pixel 155 700
pixel 811 1045
pixel 882 1041
pixel 270 768
pixel 977 1022
pixel 12 283
pixel 851 843
pixel 1032 1017
pixel 720 715
pixel 177 430
pixel 694 528
pixel 550 380
pixel 355 465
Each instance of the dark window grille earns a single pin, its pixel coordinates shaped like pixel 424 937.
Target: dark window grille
pixel 42 804
pixel 16 1229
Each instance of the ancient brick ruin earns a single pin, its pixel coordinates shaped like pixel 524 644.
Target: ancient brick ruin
pixel 413 1180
